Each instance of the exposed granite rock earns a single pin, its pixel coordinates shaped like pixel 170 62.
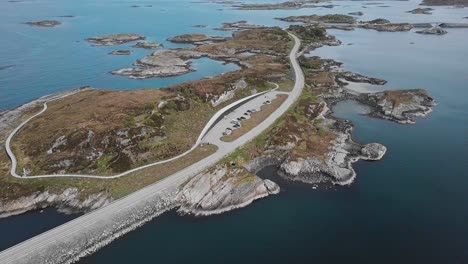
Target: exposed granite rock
pixel 222 189
pixel 153 72
pixel 453 25
pixel 391 27
pixel 229 94
pixel 195 38
pixel 432 31
pixel 423 11
pixel 114 39
pixel 69 201
pixel 147 45
pixel 355 77
pixel 121 52
pixel 238 25
pixel 334 18
pixel 44 23
pixel 336 166
pixel 161 64
pixel 401 106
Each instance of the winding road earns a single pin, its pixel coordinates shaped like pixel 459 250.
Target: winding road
pixel 34 249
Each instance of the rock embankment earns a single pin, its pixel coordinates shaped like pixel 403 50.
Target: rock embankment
pixel 114 39
pixel 68 201
pixel 222 189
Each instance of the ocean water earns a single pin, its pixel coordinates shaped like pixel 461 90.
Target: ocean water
pixel 411 207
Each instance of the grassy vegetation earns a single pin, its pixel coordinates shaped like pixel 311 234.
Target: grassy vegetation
pixel 11 188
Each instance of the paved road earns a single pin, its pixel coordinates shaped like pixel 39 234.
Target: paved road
pixel 14 162
pixel 36 246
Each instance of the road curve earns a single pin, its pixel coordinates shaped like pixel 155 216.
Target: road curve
pixel 32 250
pixel 14 161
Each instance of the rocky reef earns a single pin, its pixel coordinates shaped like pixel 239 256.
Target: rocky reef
pixel 238 25
pixel 453 25
pixel 69 201
pixel 222 189
pixel 432 31
pixel 279 6
pixel 114 39
pixel 388 27
pixel 44 23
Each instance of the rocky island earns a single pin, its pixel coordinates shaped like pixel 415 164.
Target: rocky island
pixel 121 52
pixel 114 39
pixel 147 45
pixel 424 11
pixel 44 23
pixel 432 31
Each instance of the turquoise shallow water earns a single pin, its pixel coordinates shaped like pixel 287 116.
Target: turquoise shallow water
pixel 411 207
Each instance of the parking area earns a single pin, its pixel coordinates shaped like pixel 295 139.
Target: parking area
pixel 233 120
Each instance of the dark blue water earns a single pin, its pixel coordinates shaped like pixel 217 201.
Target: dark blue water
pixel 19 228
pixel 411 207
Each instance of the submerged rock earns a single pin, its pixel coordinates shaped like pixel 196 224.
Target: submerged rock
pixel 356 13
pixel 355 77
pixel 44 23
pixel 114 39
pixel 432 31
pixel 453 25
pixel 222 189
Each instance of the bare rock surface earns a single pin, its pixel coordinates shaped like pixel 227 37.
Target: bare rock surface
pixel 401 106
pixel 195 38
pixel 147 45
pixel 68 201
pixel 423 11
pixel 44 23
pixel 115 39
pixel 222 189
pixel 121 52
pixel 432 31
pixel 389 27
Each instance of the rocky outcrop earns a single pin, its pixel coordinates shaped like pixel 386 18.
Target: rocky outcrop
pixel 222 189
pixel 195 39
pixel 68 201
pixel 336 166
pixel 432 31
pixel 358 78
pixel 378 21
pixel 401 106
pixel 423 11
pixel 279 6
pixel 121 52
pixel 238 25
pixel 333 18
pixel 114 39
pixel 44 23
pixel 147 45
pixel 161 64
pixel 389 27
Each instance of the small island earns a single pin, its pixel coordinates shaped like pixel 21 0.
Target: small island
pixel 114 39
pixel 44 23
